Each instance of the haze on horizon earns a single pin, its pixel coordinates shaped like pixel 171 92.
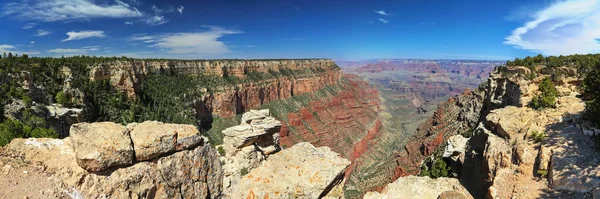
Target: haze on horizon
pixel 342 30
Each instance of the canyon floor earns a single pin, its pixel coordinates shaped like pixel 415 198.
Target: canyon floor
pixel 409 91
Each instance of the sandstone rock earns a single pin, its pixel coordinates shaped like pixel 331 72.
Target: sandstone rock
pixel 254 115
pixel 99 146
pixel 452 195
pixel 497 155
pixel 301 171
pixel 421 187
pixel 152 139
pixel 510 121
pixel 194 173
pixel 544 155
pixel 456 145
pixel 248 144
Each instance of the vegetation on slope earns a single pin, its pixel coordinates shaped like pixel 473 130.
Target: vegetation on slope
pixel 163 96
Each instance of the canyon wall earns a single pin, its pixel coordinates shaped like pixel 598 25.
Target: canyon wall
pixel 228 100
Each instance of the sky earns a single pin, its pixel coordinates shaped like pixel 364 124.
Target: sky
pixel 341 30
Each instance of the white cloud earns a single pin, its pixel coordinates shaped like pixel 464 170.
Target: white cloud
pixel 565 27
pixel 65 10
pixel 5 48
pixel 180 10
pixel 84 34
pixel 156 20
pixel 29 26
pixel 31 43
pixel 381 12
pixel 193 43
pixel 383 20
pixel 143 38
pixel 128 23
pixel 72 51
pixel 41 32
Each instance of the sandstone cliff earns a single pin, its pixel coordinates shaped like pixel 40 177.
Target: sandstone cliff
pixel 228 100
pixel 511 149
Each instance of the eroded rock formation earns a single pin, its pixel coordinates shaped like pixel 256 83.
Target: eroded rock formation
pixel 301 171
pixel 98 161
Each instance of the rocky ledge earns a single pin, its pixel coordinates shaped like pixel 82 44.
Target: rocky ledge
pixel 302 171
pixel 108 160
pixel 422 187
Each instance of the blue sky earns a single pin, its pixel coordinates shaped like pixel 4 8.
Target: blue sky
pixel 343 30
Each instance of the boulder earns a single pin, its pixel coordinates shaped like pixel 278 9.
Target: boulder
pixel 193 173
pixel 152 139
pixel 254 115
pixel 301 171
pixel 456 145
pixel 510 121
pixel 99 146
pixel 497 155
pixel 421 187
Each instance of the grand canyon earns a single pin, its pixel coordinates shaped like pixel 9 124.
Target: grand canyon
pixel 299 99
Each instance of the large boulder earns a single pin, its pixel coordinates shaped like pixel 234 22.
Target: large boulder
pixel 510 121
pixel 302 171
pixel 99 146
pixel 192 173
pixel 152 139
pixel 421 187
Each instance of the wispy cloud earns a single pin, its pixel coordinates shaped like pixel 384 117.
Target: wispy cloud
pixel 84 34
pixel 29 26
pixel 143 38
pixel 383 20
pixel 565 27
pixel 41 32
pixel 156 20
pixel 5 48
pixel 191 43
pixel 74 51
pixel 31 43
pixel 128 23
pixel 65 10
pixel 180 10
pixel 382 12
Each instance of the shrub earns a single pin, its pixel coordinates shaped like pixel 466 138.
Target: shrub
pixel 221 151
pixel 439 169
pixel 538 137
pixel 435 169
pixel 244 171
pixel 542 172
pixel 547 96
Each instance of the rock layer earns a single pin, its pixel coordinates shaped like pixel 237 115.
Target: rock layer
pixel 301 171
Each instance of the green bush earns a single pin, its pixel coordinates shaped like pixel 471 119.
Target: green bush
pixel 547 96
pixel 221 151
pixel 537 137
pixel 244 171
pixel 435 169
pixel 542 172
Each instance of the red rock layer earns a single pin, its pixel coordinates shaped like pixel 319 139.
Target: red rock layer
pixel 344 122
pixel 236 100
pixel 447 120
pixel 232 100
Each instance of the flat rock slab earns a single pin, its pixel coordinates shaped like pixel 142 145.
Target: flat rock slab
pixel 99 146
pixel 152 139
pixel 574 162
pixel 301 171
pixel 421 187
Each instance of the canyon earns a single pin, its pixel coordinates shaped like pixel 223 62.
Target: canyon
pixel 312 129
